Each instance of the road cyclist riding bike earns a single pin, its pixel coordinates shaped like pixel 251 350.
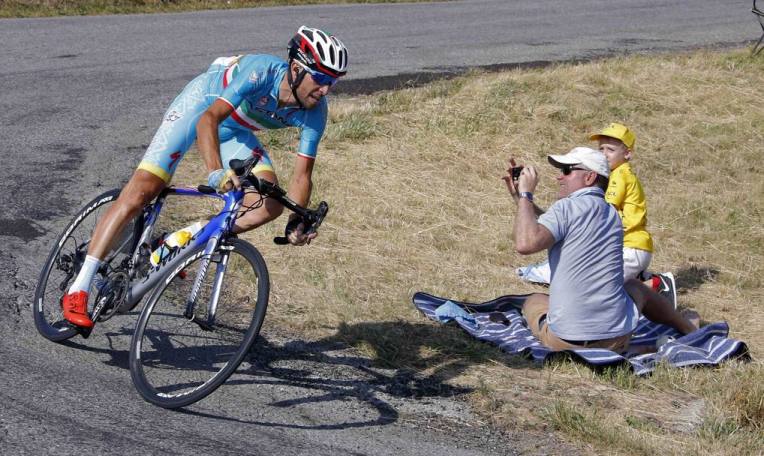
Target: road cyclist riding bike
pixel 207 298
pixel 191 289
pixel 220 109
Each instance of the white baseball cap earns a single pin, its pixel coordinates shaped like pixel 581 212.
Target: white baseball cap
pixel 585 157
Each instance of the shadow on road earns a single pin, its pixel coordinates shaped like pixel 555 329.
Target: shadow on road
pixel 284 373
pixel 326 371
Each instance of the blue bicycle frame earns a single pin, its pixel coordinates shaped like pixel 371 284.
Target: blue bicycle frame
pixel 209 236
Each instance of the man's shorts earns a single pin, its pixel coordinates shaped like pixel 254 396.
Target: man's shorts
pixel 635 261
pixel 177 133
pixel 535 315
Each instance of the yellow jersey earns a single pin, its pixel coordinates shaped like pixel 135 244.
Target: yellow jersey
pixel 625 193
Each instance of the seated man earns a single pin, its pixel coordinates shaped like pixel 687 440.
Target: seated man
pixel 589 304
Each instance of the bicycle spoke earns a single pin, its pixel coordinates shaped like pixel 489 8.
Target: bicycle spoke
pixel 64 263
pixel 179 356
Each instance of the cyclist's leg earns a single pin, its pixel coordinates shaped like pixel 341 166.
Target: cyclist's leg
pixel 241 144
pixel 142 187
pixel 173 138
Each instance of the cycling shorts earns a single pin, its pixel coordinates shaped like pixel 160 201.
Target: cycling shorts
pixel 177 132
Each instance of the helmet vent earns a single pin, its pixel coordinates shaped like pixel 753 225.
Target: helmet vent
pixel 319 51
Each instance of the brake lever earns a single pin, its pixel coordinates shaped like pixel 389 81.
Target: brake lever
pixel 253 181
pixel 320 214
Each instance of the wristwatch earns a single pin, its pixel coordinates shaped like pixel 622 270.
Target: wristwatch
pixel 528 195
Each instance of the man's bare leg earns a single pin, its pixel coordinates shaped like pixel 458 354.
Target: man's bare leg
pixel 139 191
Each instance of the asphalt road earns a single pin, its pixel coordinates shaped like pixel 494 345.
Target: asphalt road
pixel 80 98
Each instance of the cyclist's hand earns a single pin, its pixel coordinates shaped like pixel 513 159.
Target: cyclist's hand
pixel 295 232
pixel 223 180
pixel 299 238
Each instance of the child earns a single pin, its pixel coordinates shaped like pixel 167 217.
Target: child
pixel 625 193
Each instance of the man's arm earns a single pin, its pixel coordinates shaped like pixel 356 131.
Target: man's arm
pixel 208 140
pixel 300 188
pixel 512 187
pixel 529 236
pixel 301 185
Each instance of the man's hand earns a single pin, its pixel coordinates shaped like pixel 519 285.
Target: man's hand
pixel 526 183
pixel 295 232
pixel 223 180
pixel 528 180
pixel 511 187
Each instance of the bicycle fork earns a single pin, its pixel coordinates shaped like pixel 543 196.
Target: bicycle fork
pixel 223 251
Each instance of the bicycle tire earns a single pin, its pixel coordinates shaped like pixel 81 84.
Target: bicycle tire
pixel 167 367
pixel 54 280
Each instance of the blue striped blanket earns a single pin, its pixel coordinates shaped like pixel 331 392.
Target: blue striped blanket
pixel 500 323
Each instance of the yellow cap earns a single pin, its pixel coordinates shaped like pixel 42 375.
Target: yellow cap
pixel 617 131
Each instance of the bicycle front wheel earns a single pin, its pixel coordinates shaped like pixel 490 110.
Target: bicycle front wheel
pixel 176 360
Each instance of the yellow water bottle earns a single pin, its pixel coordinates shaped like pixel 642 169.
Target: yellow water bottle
pixel 173 241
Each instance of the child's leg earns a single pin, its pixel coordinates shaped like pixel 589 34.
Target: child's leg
pixel 635 263
pixel 659 309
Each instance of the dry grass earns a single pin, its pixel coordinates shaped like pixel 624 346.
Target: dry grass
pixel 412 178
pixel 43 8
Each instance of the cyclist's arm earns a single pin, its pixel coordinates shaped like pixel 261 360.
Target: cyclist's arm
pixel 310 134
pixel 208 140
pixel 299 191
pixel 301 184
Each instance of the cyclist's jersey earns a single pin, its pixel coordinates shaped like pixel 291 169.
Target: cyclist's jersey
pixel 250 84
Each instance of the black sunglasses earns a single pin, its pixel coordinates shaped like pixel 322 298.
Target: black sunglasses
pixel 567 169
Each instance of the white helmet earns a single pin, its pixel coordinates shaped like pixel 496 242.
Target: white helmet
pixel 319 51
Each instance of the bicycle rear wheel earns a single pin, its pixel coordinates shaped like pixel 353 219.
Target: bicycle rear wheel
pixel 175 361
pixel 64 263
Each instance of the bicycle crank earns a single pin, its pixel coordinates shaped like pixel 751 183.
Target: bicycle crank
pixel 111 295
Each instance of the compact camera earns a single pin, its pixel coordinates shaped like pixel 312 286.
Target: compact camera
pixel 516 172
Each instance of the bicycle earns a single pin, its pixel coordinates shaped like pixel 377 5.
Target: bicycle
pixel 196 326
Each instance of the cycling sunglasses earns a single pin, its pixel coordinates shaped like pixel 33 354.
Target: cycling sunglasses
pixel 567 169
pixel 319 78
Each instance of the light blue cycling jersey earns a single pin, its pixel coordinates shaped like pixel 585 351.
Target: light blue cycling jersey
pixel 250 84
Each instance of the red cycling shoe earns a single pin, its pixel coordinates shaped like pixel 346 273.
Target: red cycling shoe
pixel 75 307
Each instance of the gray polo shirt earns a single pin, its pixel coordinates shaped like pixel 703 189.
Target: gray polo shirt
pixel 587 300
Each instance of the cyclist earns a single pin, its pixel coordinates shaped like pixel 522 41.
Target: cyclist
pixel 221 109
